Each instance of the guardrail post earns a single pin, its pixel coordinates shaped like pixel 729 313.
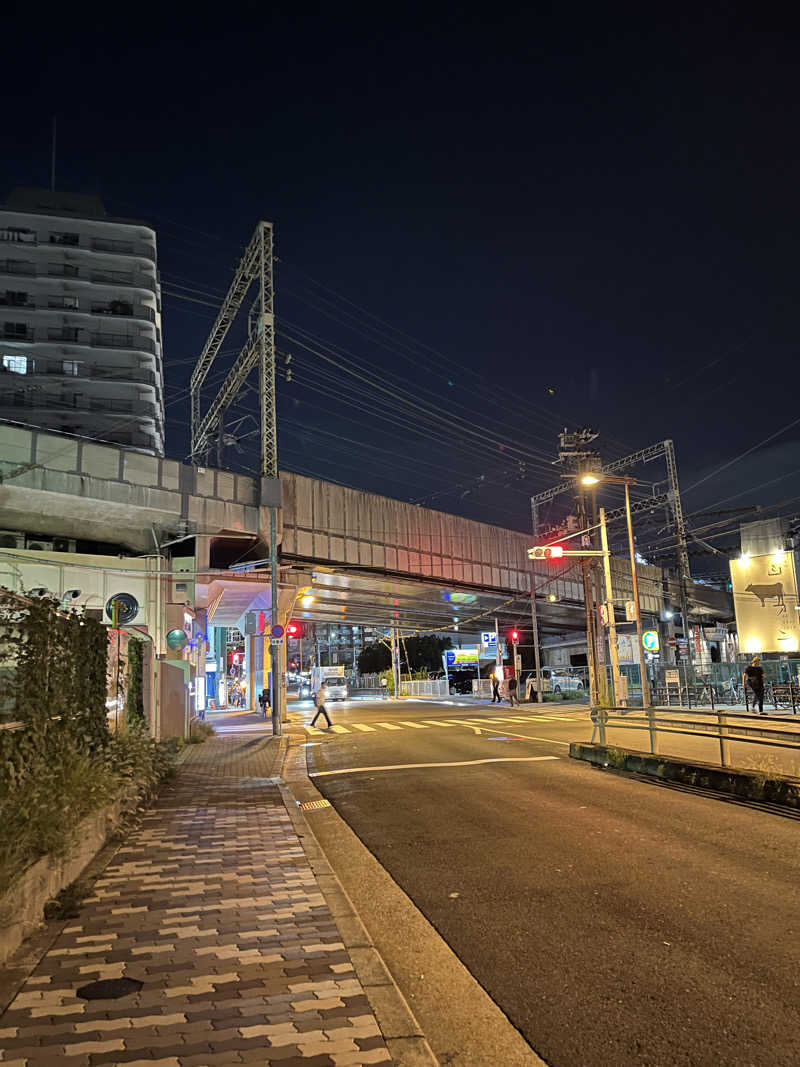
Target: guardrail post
pixel 791 694
pixel 711 691
pixel 724 754
pixel 651 721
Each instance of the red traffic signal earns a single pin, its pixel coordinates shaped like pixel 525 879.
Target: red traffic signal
pixel 294 629
pixel 514 635
pixel 546 552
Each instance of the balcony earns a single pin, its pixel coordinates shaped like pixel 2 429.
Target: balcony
pixel 16 300
pixel 18 235
pixel 120 340
pixel 77 368
pixel 77 335
pixel 73 402
pixel 123 309
pixel 16 331
pixel 123 248
pixel 124 277
pixel 62 270
pixel 17 266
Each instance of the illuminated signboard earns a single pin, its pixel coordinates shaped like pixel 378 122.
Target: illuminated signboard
pixel 462 657
pixel 765 601
pixel 650 641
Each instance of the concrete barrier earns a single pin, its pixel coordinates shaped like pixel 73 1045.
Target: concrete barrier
pixel 748 784
pixel 22 905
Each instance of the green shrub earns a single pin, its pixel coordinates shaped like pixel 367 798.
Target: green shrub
pixel 200 731
pixel 60 786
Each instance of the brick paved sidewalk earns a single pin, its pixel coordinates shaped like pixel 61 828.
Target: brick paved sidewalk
pixel 213 907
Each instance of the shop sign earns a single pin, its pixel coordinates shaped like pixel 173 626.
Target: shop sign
pixel 765 601
pixel 650 641
pixel 462 657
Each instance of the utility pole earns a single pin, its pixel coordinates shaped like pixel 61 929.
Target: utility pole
pixel 635 581
pixel 534 619
pixel 612 625
pixel 274 653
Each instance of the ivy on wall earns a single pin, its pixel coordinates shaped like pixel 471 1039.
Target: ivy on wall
pixel 53 668
pixel 135 683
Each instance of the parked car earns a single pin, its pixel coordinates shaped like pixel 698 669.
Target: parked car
pixel 553 681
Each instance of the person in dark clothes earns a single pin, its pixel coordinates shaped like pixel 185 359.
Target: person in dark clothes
pixel 754 677
pixel 496 699
pixel 512 691
pixel 321 697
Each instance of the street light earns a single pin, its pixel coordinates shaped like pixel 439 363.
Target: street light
pixel 594 479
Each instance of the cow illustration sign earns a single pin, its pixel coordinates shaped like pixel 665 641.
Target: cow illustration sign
pixel 765 599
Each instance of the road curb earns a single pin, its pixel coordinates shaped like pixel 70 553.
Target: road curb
pixel 729 781
pixel 402 1033
pixel 460 1020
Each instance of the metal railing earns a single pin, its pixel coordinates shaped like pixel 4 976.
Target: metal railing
pixel 721 727
pixel 433 688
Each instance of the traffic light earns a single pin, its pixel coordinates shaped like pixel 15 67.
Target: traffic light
pixel 514 637
pixel 294 629
pixel 546 552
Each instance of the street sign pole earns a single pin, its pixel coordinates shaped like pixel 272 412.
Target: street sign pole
pixel 535 628
pixel 274 661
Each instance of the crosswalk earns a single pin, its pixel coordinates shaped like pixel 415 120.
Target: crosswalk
pixel 424 724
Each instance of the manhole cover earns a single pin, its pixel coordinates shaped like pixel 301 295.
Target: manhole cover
pixel 110 988
pixel 311 805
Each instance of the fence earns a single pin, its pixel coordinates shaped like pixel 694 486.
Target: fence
pixel 437 687
pixel 763 744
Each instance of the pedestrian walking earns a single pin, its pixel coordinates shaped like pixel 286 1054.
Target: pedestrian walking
pixel 384 688
pixel 263 702
pixel 754 677
pixel 496 698
pixel 319 699
pixel 512 691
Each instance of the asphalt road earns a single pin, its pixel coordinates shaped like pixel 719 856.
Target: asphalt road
pixel 615 921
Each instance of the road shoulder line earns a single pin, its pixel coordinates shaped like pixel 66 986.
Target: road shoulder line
pixel 401 1031
pixel 461 1023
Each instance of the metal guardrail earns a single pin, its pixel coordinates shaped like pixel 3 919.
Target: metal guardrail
pixel 770 731
pixel 436 687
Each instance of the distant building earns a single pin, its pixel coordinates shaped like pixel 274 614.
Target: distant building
pixel 80 321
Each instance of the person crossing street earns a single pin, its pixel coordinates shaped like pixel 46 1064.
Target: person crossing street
pixel 319 699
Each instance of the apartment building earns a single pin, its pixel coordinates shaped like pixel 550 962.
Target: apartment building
pixel 80 321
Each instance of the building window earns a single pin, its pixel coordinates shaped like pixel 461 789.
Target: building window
pixel 70 366
pixel 14 298
pixel 15 364
pixel 63 302
pixel 14 330
pixel 63 238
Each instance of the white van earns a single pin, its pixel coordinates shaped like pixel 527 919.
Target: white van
pixel 553 681
pixel 335 682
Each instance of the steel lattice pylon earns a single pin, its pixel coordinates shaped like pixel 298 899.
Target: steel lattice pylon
pixel 259 349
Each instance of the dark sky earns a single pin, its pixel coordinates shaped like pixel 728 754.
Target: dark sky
pixel 574 215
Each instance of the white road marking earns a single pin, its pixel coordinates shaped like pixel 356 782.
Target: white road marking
pixel 434 722
pixel 388 726
pixel 414 725
pixel 337 729
pixel 313 730
pixel 363 727
pixel 418 766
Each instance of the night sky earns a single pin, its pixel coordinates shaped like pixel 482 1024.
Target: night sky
pixel 509 223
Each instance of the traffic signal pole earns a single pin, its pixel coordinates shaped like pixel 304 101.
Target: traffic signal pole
pixel 535 628
pixel 612 625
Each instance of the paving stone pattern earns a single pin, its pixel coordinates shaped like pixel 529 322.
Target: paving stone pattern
pixel 213 906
